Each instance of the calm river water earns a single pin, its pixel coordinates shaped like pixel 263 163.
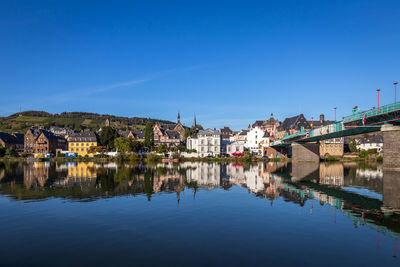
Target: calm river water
pixel 197 214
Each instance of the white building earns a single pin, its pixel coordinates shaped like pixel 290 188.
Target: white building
pixel 371 142
pixel 206 143
pixel 235 147
pixel 253 138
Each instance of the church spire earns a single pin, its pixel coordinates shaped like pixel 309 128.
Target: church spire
pixel 179 118
pixel 194 121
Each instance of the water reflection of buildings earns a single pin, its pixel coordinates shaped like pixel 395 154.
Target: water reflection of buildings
pixel 37 174
pixel 326 183
pixel 81 170
pixel 205 175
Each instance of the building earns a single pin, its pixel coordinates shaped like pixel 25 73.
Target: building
pixel 14 141
pixel 38 140
pixel 332 147
pixel 30 139
pixel 226 133
pixel 293 125
pixel 81 142
pixel 169 134
pixel 47 142
pixel 240 136
pixel 270 125
pixel 135 135
pixel 371 142
pixel 61 131
pixel 253 139
pixel 320 123
pixel 236 147
pixel 206 143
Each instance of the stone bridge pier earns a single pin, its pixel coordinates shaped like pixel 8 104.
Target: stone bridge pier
pixel 307 152
pixel 391 147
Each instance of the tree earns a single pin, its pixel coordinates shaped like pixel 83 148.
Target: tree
pixel 353 145
pixel 107 136
pixel 123 144
pixel 161 149
pixel 2 151
pixel 137 146
pixel 189 132
pixel 149 134
pixel 11 152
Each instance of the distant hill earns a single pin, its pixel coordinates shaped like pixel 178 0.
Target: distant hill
pixel 22 121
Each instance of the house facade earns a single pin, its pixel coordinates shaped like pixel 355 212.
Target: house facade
pixel 235 147
pixel 270 125
pixel 332 147
pixel 47 142
pixel 206 143
pixel 38 140
pixel 293 125
pixel 14 141
pixel 80 143
pixel 253 139
pixel 169 134
pixel 135 135
pixel 371 142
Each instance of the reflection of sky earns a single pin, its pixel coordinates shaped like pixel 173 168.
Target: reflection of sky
pixel 363 192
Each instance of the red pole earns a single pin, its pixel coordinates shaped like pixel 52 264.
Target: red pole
pixel 378 90
pixel 395 91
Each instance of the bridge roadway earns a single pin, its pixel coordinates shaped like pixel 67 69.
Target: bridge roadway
pixel 385 119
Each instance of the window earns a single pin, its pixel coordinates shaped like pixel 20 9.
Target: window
pixel 72 149
pixel 82 149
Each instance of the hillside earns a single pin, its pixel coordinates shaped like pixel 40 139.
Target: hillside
pixel 20 122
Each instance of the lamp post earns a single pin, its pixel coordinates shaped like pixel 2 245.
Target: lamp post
pixel 395 91
pixel 378 90
pixel 335 113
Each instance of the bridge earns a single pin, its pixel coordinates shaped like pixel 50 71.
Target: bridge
pixel 305 145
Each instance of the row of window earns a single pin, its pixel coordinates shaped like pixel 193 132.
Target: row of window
pixel 77 149
pixel 82 144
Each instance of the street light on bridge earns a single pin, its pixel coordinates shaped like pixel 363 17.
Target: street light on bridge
pixel 395 91
pixel 378 90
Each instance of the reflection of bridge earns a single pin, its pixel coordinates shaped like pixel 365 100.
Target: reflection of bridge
pixel 385 119
pixel 331 189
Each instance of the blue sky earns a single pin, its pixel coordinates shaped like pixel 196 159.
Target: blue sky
pixel 230 62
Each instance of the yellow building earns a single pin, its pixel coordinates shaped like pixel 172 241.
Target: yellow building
pixel 80 143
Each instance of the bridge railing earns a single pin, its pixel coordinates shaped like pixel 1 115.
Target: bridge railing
pixel 331 128
pixel 372 112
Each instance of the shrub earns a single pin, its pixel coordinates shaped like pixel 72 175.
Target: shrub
pixel 153 157
pixel 363 154
pixel 134 158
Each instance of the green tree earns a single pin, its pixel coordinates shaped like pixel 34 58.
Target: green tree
pixel 182 148
pixel 107 136
pixel 353 145
pixel 161 149
pixel 11 152
pixel 123 144
pixel 149 134
pixel 137 146
pixel 189 132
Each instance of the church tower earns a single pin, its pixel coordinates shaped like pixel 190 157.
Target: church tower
pixel 179 118
pixel 194 122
